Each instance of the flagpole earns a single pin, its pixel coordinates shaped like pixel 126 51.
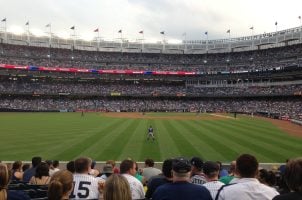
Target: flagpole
pixel 185 39
pixel 207 44
pixel 143 40
pixel 5 32
pixel 300 28
pixel 229 32
pixel 252 37
pixel 28 38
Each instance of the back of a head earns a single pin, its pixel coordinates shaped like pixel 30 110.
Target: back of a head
pixel 181 167
pixel 82 165
pixel 247 166
pixel 4 179
pixel 35 161
pixel 211 169
pixel 293 174
pixel 17 165
pixel 126 165
pixel 42 170
pixel 117 188
pixel 61 184
pixel 55 163
pixel 112 162
pixel 93 163
pixel 70 166
pixel 167 168
pixel 149 162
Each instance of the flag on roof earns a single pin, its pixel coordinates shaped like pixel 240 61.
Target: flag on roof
pixel 229 31
pixel 96 30
pixel 141 32
pixel 47 25
pixel 120 31
pixel 206 33
pixel 3 20
pixel 27 23
pixel 162 32
pixel 72 28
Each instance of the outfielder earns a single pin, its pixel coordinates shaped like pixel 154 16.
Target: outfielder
pixel 150 133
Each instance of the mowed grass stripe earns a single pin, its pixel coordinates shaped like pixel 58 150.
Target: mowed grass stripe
pixel 269 131
pixel 250 143
pixel 267 146
pixel 168 148
pixel 181 142
pixel 272 135
pixel 132 147
pixel 218 141
pixel 122 138
pixel 74 150
pixel 196 133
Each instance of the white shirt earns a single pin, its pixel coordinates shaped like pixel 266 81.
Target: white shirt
pixel 52 171
pixel 85 187
pixel 136 187
pixel 247 189
pixel 148 172
pixel 213 187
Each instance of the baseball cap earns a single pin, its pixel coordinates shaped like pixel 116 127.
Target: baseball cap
pixel 181 165
pixel 197 162
pixel 107 169
pixel 210 167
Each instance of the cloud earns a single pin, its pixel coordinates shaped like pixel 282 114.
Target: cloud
pixel 172 16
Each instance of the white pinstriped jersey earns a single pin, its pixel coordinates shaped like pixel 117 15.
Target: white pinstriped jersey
pixel 213 187
pixel 85 187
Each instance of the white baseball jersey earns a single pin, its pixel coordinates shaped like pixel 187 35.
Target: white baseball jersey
pixel 85 187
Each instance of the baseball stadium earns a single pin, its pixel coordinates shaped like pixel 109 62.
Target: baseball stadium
pixel 62 99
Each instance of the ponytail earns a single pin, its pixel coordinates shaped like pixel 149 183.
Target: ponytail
pixel 55 190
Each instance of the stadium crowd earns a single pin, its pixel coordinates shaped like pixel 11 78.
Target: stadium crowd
pixel 179 179
pixel 278 108
pixel 137 89
pixel 206 63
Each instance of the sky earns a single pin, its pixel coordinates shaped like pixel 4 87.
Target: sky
pixel 179 19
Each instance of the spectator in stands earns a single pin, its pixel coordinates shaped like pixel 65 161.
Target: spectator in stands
pixel 267 177
pixel 128 170
pixel 138 175
pixel 293 178
pixel 150 170
pixel 115 169
pixel 197 176
pixel 181 188
pixel 223 172
pixel 41 176
pixel 107 171
pixel 211 171
pixel 246 187
pixel 93 172
pixel 91 184
pixel 161 179
pixel 25 167
pixel 70 166
pixel 60 185
pixel 35 161
pixel 55 168
pixel 9 194
pixel 16 172
pixel 117 188
pixel 227 179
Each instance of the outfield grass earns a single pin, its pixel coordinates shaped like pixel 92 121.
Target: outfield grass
pixel 65 136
